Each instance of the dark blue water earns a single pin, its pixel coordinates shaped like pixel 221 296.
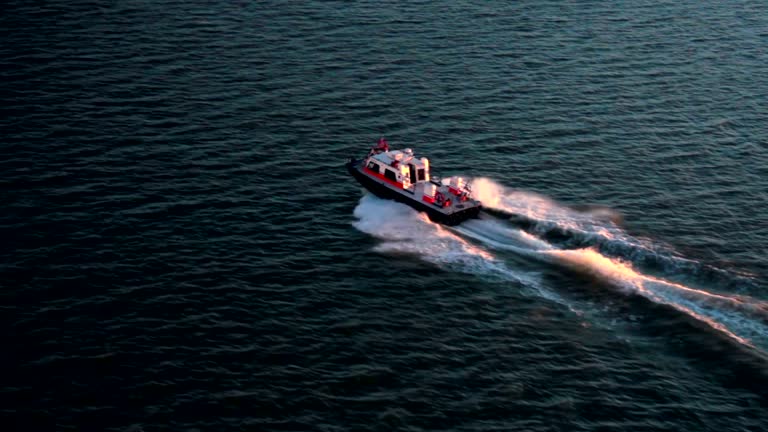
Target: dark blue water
pixel 183 249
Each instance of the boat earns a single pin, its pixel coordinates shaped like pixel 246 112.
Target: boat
pixel 399 175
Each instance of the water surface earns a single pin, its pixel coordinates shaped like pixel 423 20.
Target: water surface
pixel 183 249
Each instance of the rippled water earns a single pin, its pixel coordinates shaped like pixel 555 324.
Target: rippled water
pixel 183 249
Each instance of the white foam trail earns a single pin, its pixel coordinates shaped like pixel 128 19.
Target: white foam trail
pixel 597 228
pixel 403 230
pixel 741 318
pixel 590 225
pixel 487 230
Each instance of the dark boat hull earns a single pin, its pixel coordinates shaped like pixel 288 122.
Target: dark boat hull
pixel 383 191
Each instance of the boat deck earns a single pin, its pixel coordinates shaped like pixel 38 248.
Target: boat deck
pixel 416 193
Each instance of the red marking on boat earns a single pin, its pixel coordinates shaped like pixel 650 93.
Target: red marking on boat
pixel 381 177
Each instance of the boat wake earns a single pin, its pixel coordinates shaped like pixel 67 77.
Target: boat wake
pixel 601 249
pixel 597 228
pixel 405 231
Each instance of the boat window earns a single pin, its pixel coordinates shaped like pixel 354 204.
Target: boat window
pixel 389 174
pixel 421 174
pixel 373 166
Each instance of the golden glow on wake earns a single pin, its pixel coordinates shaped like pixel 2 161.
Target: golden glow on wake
pixel 535 241
pixel 615 270
pixel 594 262
pixel 411 232
pixel 606 234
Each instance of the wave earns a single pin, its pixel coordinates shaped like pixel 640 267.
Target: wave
pixel 402 230
pixel 609 253
pixel 741 318
pixel 598 227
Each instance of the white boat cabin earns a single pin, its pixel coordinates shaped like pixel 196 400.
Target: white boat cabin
pixel 402 170
pixel 398 168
